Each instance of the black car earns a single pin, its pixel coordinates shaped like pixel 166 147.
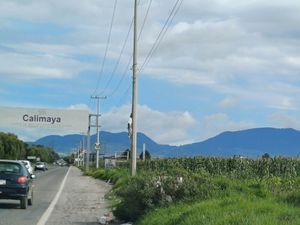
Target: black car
pixel 16 182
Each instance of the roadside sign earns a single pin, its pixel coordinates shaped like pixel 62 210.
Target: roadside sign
pixel 109 163
pixel 63 119
pixel 31 157
pixel 97 146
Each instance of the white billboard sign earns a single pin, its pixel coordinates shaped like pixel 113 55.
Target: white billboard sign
pixel 63 119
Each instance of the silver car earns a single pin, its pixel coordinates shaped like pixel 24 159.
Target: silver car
pixel 28 166
pixel 41 166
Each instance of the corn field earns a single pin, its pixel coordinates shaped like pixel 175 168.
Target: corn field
pixel 235 167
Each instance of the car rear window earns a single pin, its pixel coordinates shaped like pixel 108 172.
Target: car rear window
pixel 6 167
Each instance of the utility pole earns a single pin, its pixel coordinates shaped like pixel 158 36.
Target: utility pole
pixel 88 145
pixel 83 151
pixel 144 152
pixel 134 95
pixel 78 154
pixel 97 144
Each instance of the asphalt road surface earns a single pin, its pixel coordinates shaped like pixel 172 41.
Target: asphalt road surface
pixel 62 196
pixel 46 186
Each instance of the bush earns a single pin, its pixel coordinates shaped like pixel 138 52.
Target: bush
pixel 137 196
pixel 146 191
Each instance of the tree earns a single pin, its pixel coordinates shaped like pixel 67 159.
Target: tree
pixel 266 156
pixel 13 148
pixel 147 155
pixel 10 146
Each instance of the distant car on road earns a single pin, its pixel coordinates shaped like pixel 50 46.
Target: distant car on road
pixel 28 166
pixel 16 182
pixel 41 166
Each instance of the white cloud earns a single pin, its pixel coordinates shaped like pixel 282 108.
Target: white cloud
pixel 217 123
pixel 209 41
pixel 284 120
pixel 27 66
pixel 246 51
pixel 79 106
pixel 163 127
pixel 261 93
pixel 59 12
pixel 228 102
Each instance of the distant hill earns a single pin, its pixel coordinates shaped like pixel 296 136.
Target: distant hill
pixel 110 143
pixel 252 143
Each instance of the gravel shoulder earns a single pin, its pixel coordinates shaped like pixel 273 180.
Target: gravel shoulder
pixel 82 201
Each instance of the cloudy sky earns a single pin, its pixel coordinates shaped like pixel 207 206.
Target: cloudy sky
pixel 217 65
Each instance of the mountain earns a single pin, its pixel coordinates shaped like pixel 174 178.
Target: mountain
pixel 252 143
pixel 110 143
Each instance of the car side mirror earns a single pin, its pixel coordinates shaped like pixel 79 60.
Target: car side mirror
pixel 32 176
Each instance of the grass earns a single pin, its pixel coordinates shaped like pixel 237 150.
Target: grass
pixel 203 199
pixel 234 210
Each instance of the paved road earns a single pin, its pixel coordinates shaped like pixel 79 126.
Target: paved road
pixel 46 186
pixel 81 201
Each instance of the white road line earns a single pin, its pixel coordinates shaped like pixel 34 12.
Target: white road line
pixel 48 212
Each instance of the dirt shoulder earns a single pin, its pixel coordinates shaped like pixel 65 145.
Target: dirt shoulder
pixel 82 201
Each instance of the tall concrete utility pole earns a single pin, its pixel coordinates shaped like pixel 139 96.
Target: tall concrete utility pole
pixel 144 152
pixel 83 150
pixel 88 145
pixel 134 95
pixel 97 144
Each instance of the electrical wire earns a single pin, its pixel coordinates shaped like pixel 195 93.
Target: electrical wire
pixel 122 78
pixel 125 94
pixel 121 53
pixel 162 33
pixel 145 19
pixel 106 48
pixel 118 61
pixel 153 49
pixel 160 37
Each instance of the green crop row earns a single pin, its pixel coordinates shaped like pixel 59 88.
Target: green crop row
pixel 236 167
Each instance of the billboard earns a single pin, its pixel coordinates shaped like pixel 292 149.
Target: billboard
pixel 62 119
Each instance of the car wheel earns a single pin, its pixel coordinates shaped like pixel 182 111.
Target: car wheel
pixel 24 202
pixel 30 200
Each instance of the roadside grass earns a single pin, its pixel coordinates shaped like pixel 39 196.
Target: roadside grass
pixel 116 176
pixel 201 198
pixel 234 210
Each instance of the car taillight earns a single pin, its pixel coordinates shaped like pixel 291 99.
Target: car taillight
pixel 22 180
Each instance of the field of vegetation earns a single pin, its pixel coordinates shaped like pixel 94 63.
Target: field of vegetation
pixel 200 190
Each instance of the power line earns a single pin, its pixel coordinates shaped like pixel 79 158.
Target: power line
pixel 125 94
pixel 153 49
pixel 145 19
pixel 106 48
pixel 122 78
pixel 162 33
pixel 121 53
pixel 119 58
pixel 160 37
